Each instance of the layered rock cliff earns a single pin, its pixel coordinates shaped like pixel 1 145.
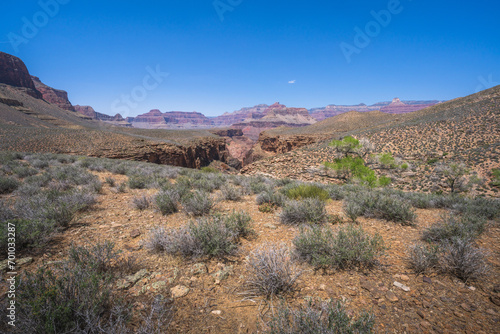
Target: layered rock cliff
pixel 13 72
pixel 54 96
pixel 155 119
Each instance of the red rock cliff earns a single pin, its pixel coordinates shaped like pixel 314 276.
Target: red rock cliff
pixel 13 72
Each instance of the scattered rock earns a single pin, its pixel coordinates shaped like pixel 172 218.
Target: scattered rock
pixel 496 288
pixel 159 286
pixel 401 286
pixel 458 314
pixel 223 273
pixel 322 287
pixel 216 312
pixel 466 307
pixel 132 279
pixel 425 324
pixel 427 280
pixel 491 312
pixel 179 291
pixel 199 269
pixel 421 314
pixel 404 277
pixel 135 233
pixel 270 226
pixel 391 296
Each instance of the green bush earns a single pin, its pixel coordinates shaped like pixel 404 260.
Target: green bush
pixel 423 257
pixel 379 204
pixel 309 210
pixel 326 318
pixel 8 184
pixel 271 271
pixel 197 203
pixel 307 191
pixel 167 201
pixel 349 247
pixel 451 226
pixel 270 197
pixel 240 223
pixel 209 170
pixel 138 182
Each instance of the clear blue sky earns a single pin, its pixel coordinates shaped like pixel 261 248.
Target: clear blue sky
pixel 262 52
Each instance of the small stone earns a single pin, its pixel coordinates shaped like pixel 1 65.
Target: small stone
pixel 471 288
pixel 496 288
pixel 24 261
pixel 199 269
pixel 158 286
pixel 425 324
pixel 132 279
pixel 391 296
pixel 217 312
pixel 322 287
pixel 401 286
pixel 404 277
pixel 426 304
pixel 458 314
pixel 179 291
pixel 466 307
pixel 270 226
pixel 135 233
pixel 421 314
pixel 491 312
pixel 427 280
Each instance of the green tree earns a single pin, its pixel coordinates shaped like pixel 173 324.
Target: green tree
pixel 454 174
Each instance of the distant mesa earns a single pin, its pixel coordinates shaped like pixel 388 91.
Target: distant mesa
pixel 89 112
pixel 13 72
pixel 155 119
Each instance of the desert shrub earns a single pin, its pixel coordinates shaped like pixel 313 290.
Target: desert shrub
pixel 325 318
pixel 258 184
pixel 267 207
pixel 309 210
pixel 167 201
pixel 121 168
pixel 110 181
pixel 24 171
pixel 29 233
pixel 462 259
pixel 271 271
pixel 231 193
pixel 452 226
pixel 423 257
pixel 307 191
pixel 39 164
pixel 6 156
pixel 141 202
pixel 120 188
pixel 209 170
pixel 391 207
pixel 8 184
pixel 197 203
pixel 98 257
pixel 138 182
pixel 283 182
pixel 488 208
pixel 214 236
pixel 240 223
pixel 271 197
pixel 352 210
pixel 349 247
pixel 335 191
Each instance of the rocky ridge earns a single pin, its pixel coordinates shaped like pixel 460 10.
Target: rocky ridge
pixel 13 72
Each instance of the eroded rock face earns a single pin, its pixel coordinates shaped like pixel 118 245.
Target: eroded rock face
pixel 274 116
pixel 155 119
pixel 91 113
pixel 196 155
pixel 238 116
pixel 398 107
pixel 52 95
pixel 13 72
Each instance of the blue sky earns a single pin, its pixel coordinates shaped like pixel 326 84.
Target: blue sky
pixel 102 52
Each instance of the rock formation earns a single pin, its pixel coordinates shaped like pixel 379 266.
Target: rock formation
pixel 13 72
pixel 274 116
pixel 228 119
pixel 398 107
pixel 52 95
pixel 155 119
